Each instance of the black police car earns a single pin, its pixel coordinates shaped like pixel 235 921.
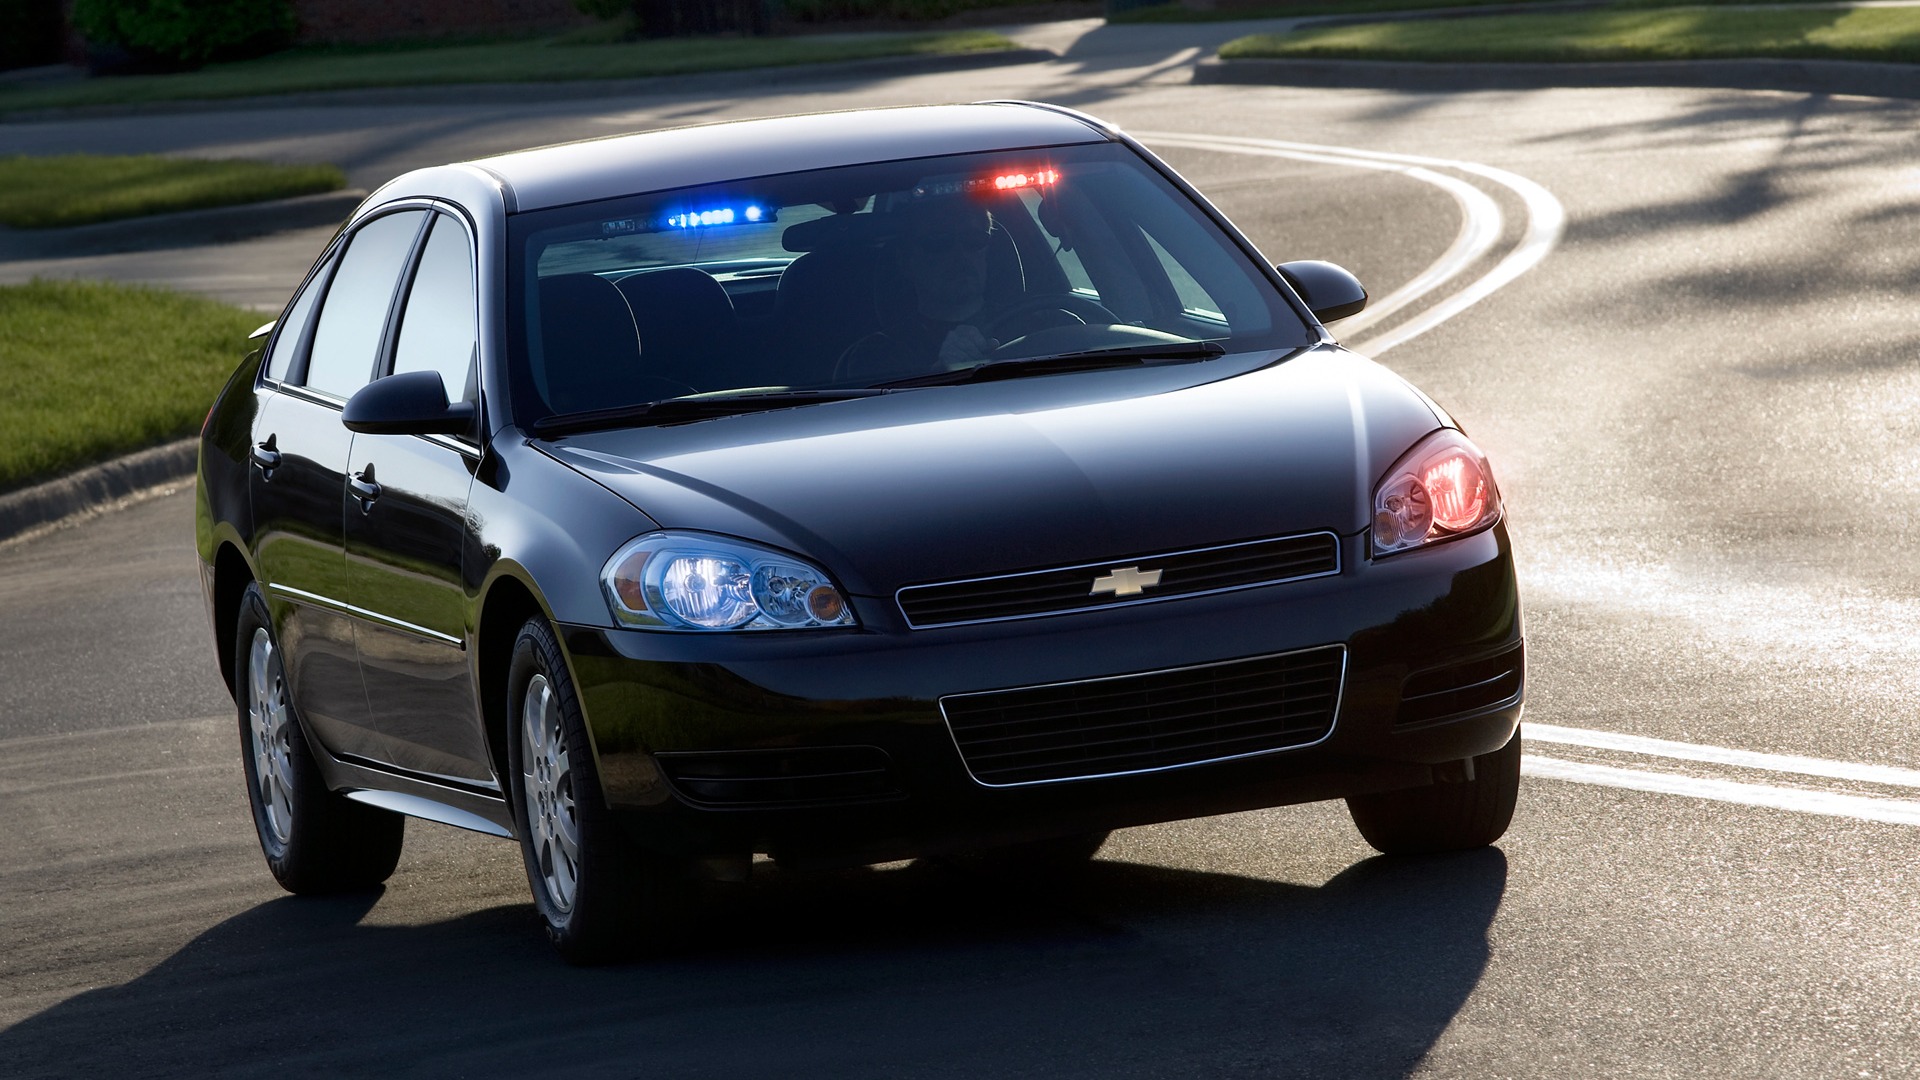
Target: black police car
pixel 848 488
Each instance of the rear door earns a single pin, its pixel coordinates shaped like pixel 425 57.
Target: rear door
pixel 323 352
pixel 406 533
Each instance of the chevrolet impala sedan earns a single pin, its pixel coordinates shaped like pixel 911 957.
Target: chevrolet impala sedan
pixel 846 488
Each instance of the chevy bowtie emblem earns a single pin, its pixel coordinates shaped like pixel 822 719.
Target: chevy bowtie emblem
pixel 1125 582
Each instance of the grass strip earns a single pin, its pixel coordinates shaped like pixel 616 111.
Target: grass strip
pixel 1889 35
pixel 90 370
pixel 1177 13
pixel 77 189
pixel 544 60
pixel 831 11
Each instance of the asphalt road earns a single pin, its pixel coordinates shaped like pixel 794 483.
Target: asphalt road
pixel 1704 408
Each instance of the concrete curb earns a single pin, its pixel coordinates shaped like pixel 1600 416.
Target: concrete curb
pixel 188 228
pixel 1801 76
pixel 44 504
pixel 530 92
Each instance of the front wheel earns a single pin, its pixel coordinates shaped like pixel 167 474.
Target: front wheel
pixel 599 896
pixel 315 841
pixel 1446 816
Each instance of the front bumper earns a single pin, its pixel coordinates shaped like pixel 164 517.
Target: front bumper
pixel 821 696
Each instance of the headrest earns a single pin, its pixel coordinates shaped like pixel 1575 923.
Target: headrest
pixel 677 289
pixel 834 231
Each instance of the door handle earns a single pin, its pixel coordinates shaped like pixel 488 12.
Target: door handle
pixel 364 489
pixel 266 456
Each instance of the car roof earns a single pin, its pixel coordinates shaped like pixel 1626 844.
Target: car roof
pixel 714 153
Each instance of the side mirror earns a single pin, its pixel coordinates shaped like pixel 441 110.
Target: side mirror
pixel 410 403
pixel 1330 291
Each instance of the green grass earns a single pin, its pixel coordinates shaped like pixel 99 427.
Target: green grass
pixel 545 60
pixel 76 189
pixel 90 370
pixel 1883 34
pixel 1175 13
pixel 829 11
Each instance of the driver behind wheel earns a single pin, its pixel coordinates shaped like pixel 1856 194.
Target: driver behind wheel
pixel 940 309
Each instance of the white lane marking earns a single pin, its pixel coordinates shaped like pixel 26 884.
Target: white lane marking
pixel 1827 804
pixel 1480 220
pixel 1890 775
pixel 1480 224
pixel 1546 218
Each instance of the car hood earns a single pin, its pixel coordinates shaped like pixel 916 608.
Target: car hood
pixel 965 481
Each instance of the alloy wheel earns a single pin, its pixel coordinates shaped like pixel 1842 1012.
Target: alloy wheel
pixel 546 785
pixel 269 728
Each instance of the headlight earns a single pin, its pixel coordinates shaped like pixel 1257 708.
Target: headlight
pixel 1440 489
pixel 691 581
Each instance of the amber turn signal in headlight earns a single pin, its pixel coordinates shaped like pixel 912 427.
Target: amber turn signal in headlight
pixel 694 581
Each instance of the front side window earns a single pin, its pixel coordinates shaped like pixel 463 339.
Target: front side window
pixel 354 317
pixel 867 275
pixel 438 324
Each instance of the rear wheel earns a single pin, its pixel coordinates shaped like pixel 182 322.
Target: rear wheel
pixel 315 841
pixel 600 897
pixel 1453 816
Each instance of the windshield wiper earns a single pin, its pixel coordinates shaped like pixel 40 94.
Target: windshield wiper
pixel 1061 363
pixel 694 407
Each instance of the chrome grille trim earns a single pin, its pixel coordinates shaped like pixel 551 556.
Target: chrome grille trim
pixel 1328 562
pixel 1332 717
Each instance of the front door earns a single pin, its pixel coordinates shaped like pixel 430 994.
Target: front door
pixel 406 532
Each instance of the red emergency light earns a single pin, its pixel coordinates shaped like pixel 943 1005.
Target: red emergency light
pixel 1039 178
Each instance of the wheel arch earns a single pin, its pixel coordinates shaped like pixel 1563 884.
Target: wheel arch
pixel 509 602
pixel 231 576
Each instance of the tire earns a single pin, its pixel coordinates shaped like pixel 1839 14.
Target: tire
pixel 315 841
pixel 1444 816
pixel 600 898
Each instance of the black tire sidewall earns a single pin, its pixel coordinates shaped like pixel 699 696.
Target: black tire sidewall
pixel 526 663
pixel 253 618
pixel 596 926
pixel 1445 817
pixel 333 844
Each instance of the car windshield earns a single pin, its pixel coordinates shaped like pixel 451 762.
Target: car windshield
pixel 906 273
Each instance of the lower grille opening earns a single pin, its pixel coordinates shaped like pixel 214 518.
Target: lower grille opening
pixel 1462 688
pixel 761 778
pixel 1155 720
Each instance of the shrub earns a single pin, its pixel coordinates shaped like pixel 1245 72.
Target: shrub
pixel 186 33
pixel 29 33
pixel 604 9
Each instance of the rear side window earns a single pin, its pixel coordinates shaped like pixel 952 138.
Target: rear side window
pixel 437 329
pixel 355 313
pixel 293 327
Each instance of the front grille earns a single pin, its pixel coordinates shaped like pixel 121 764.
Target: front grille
pixel 1462 688
pixel 1157 720
pixel 1067 589
pixel 762 778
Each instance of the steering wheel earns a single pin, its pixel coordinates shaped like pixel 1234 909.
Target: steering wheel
pixel 1078 310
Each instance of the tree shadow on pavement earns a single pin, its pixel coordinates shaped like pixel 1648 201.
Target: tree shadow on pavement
pixel 1804 177
pixel 929 970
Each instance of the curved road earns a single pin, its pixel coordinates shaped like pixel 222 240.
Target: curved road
pixel 1704 406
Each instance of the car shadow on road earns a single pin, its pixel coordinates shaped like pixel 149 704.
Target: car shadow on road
pixel 928 970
